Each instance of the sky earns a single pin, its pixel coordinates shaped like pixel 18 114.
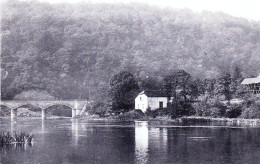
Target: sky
pixel 249 9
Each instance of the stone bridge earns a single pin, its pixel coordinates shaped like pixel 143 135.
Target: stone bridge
pixel 77 106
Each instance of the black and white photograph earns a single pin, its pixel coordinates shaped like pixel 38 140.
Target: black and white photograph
pixel 130 82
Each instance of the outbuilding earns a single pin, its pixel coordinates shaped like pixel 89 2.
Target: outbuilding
pixel 253 84
pixel 151 99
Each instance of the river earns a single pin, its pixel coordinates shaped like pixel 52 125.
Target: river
pixel 80 141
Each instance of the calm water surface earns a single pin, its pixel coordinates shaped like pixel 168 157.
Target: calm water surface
pixel 80 141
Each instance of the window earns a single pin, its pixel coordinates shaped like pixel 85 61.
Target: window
pixel 160 104
pixel 140 98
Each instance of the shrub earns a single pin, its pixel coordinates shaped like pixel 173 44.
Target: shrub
pixel 180 109
pixel 151 113
pixel 250 107
pixel 131 115
pixel 201 108
pixel 212 108
pixel 99 108
pixel 251 111
pixel 234 111
pixel 215 112
pixel 4 111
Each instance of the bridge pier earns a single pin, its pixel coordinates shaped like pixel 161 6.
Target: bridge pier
pixel 13 113
pixel 43 114
pixel 75 110
pixel 73 113
pixel 78 112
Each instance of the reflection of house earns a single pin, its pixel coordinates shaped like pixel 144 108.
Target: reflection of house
pixel 253 84
pixel 141 141
pixel 150 99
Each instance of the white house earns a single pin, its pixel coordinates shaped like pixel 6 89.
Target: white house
pixel 253 84
pixel 150 99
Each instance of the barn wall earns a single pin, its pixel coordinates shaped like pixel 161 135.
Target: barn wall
pixel 153 102
pixel 141 102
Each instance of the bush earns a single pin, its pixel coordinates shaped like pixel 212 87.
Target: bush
pixel 131 115
pixel 4 111
pixel 234 111
pixel 210 109
pixel 151 113
pixel 251 108
pixel 99 108
pixel 201 108
pixel 181 109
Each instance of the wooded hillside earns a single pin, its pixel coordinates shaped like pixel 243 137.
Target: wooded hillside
pixel 71 51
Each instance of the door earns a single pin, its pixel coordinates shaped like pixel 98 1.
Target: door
pixel 160 104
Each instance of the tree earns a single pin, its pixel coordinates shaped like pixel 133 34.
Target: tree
pixel 236 80
pixel 196 88
pixel 209 85
pixel 179 86
pixel 184 83
pixel 178 81
pixel 123 89
pixel 150 83
pixel 170 85
pixel 224 86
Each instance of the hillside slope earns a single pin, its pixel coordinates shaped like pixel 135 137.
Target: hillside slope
pixel 73 50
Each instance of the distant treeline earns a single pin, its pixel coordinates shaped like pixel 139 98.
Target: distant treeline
pixel 73 50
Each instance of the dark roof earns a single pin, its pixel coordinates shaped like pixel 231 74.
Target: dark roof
pixel 154 93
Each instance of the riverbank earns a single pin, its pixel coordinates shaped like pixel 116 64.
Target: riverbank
pixel 190 119
pixel 234 121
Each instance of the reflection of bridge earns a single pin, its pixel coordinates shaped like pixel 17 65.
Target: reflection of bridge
pixel 76 105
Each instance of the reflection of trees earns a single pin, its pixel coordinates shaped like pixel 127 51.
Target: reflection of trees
pixel 7 148
pixel 103 143
pixel 228 149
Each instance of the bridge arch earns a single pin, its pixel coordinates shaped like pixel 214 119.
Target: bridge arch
pixel 58 109
pixel 58 104
pixel 27 104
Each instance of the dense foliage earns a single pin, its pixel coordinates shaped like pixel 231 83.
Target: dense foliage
pixel 123 90
pixel 72 50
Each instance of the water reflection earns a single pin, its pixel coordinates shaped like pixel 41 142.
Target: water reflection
pixel 13 126
pixel 18 147
pixel 141 141
pixel 79 141
pixel 43 126
pixel 75 131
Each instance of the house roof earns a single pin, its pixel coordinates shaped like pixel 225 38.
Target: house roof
pixel 251 80
pixel 153 93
